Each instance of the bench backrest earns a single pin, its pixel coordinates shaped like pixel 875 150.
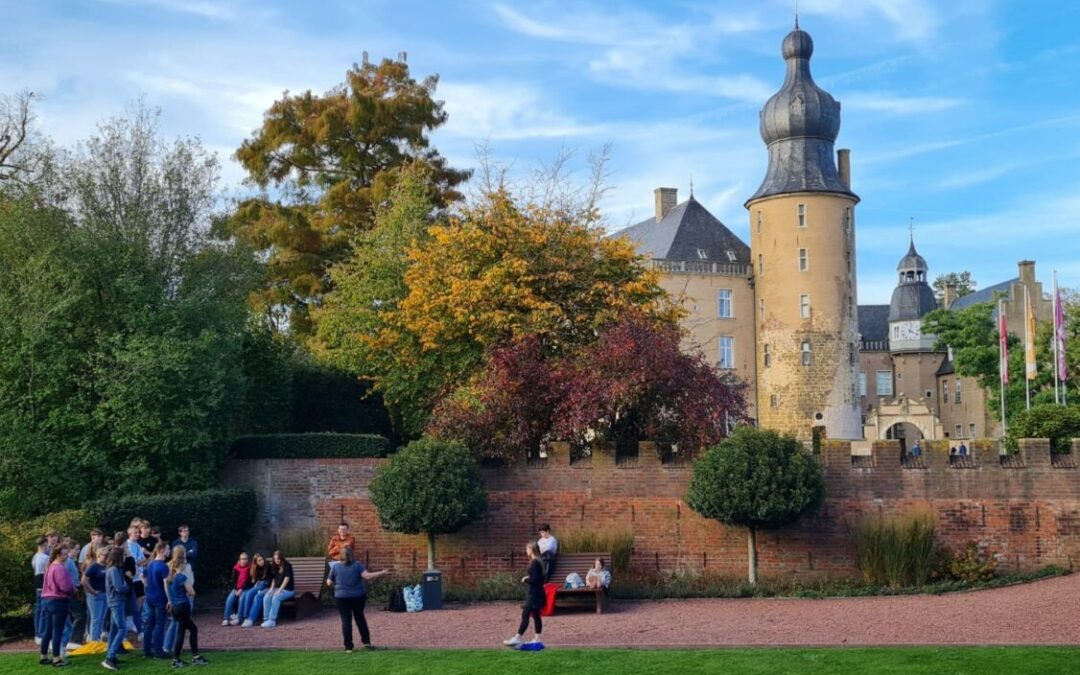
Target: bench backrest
pixel 310 575
pixel 565 563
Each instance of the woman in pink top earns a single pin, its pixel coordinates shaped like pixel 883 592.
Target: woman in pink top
pixel 56 594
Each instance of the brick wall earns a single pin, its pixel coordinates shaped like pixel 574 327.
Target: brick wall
pixel 1027 512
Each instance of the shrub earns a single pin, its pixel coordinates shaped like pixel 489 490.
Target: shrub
pixel 1059 423
pixel 17 545
pixel 973 565
pixel 309 446
pixel 898 550
pixel 302 542
pixel 619 543
pixel 220 521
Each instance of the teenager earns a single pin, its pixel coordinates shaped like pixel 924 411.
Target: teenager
pixel 241 582
pixel 191 547
pixel 534 596
pixel 147 541
pixel 93 585
pixel 260 575
pixel 86 556
pixel 117 594
pixel 334 550
pixel 180 592
pixel 180 556
pixel 138 585
pixel 350 595
pixel 255 603
pixel 549 548
pixel 154 612
pixel 39 563
pixel 75 626
pixel 281 589
pixel 56 593
pixel 598 576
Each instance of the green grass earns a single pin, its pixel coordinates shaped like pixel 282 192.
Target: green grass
pixel 880 661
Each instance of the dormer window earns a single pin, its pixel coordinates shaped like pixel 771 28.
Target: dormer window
pixel 730 255
pixel 702 254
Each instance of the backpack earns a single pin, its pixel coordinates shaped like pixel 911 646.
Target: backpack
pixel 397 601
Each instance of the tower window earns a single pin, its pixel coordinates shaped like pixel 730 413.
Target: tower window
pixel 883 382
pixel 896 332
pixel 958 392
pixel 851 308
pixel 971 430
pixel 723 309
pixel 959 431
pixel 847 220
pixel 862 383
pixel 727 356
pixel 802 215
pixel 761 308
pixel 806 352
pixel 944 391
pixel 768 356
pixel 851 353
pixel 804 306
pixel 760 264
pixel 774 401
pixel 804 260
pixel 760 218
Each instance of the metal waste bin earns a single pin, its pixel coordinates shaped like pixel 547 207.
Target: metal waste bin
pixel 431 588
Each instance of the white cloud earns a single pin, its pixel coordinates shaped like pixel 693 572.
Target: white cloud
pixel 506 111
pixel 898 105
pixel 913 20
pixel 206 9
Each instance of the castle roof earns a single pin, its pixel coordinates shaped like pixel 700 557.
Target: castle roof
pixel 687 232
pixel 799 124
pixel 983 295
pixel 911 301
pixel 874 322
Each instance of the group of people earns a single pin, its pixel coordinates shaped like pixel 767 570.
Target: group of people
pixel 257 589
pixel 959 450
pixel 132 582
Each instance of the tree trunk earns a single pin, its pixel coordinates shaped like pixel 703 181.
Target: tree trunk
pixel 430 551
pixel 751 545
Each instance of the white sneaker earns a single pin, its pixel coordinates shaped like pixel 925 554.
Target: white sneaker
pixel 248 623
pixel 234 622
pixel 513 642
pixel 535 640
pixel 224 622
pixel 72 646
pixel 269 624
pixel 37 641
pixel 234 617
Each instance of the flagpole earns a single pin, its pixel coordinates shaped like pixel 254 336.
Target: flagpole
pixel 1003 360
pixel 1057 364
pixel 1027 339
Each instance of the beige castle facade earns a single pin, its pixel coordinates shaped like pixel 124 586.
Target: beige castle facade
pixel 783 313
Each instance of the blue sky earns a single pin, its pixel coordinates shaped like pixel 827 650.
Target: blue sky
pixel 964 114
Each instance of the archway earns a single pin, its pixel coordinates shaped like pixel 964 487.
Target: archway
pixel 905 432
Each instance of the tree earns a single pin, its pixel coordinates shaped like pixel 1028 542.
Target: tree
pixel 756 479
pixel 961 281
pixel 1059 423
pixel 23 153
pixel 429 487
pixel 333 159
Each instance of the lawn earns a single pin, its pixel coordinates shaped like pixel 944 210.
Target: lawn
pixel 880 661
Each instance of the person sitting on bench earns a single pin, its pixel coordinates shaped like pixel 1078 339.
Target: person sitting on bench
pixel 549 548
pixel 598 576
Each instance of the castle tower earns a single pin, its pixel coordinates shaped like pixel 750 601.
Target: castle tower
pixel 802 241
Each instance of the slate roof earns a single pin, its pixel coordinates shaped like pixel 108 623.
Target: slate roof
pixel 946 368
pixel 984 294
pixel 874 322
pixel 686 229
pixel 911 301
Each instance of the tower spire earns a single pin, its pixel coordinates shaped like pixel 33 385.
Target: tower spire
pixel 691 185
pixel 796 14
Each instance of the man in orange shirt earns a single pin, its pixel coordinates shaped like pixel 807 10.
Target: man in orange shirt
pixel 335 550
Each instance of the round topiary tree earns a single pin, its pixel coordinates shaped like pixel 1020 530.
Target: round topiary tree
pixel 429 487
pixel 756 479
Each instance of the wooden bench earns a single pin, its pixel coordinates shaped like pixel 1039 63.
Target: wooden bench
pixel 308 584
pixel 565 563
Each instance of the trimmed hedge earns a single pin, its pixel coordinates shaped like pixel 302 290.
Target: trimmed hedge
pixel 309 446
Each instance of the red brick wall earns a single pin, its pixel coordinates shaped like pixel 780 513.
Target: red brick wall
pixel 1027 513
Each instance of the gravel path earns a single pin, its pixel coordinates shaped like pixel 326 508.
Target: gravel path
pixel 1044 612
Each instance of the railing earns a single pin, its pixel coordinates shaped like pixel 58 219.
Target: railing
pixel 874 346
pixel 728 269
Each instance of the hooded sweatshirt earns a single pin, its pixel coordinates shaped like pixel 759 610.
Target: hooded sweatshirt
pixel 241 579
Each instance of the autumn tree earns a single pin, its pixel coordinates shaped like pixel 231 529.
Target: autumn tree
pixel 326 163
pixel 961 281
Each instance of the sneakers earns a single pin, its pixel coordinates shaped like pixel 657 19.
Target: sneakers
pixel 37 641
pixel 513 642
pixel 177 663
pixel 348 651
pixel 234 622
pixel 269 624
pixel 198 660
pixel 534 641
pixel 63 663
pixel 45 660
pixel 224 622
pixel 72 646
pixel 234 617
pixel 109 664
pixel 248 623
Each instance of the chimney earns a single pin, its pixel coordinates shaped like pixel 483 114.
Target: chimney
pixel 950 295
pixel 666 198
pixel 843 166
pixel 1027 272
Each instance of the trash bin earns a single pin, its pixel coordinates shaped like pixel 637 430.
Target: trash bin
pixel 431 588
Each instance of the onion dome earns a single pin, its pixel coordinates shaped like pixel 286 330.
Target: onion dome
pixel 912 298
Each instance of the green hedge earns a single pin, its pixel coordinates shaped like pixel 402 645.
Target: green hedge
pixel 309 446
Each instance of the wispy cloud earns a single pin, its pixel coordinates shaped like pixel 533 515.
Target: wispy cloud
pixel 507 111
pixel 910 19
pixel 207 9
pixel 899 105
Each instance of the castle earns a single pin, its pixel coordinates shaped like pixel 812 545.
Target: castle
pixel 783 313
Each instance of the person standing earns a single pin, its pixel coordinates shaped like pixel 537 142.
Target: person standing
pixel 281 589
pixel 87 553
pixel 56 593
pixel 154 612
pixel 350 595
pixel 534 597
pixel 178 554
pixel 916 450
pixel 549 548
pixel 191 547
pixel 117 595
pixel 138 585
pixel 75 627
pixel 39 563
pixel 93 584
pixel 334 550
pixel 180 592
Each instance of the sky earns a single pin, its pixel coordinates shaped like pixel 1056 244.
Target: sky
pixel 963 116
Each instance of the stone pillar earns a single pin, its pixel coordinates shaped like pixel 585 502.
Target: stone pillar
pixel 647 456
pixel 1035 451
pixel 558 453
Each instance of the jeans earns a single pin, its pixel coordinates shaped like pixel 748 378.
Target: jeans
pixel 131 612
pixel 117 631
pixel 153 627
pixel 257 602
pixel 352 609
pixel 76 625
pixel 95 604
pixel 56 613
pixel 248 598
pixel 182 617
pixel 232 604
pixel 272 604
pixel 41 626
pixel 171 627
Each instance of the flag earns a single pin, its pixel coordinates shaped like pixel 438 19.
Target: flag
pixel 1029 338
pixel 1059 332
pixel 1003 349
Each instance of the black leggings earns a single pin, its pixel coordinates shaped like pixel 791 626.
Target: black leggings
pixel 526 612
pixel 353 609
pixel 182 616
